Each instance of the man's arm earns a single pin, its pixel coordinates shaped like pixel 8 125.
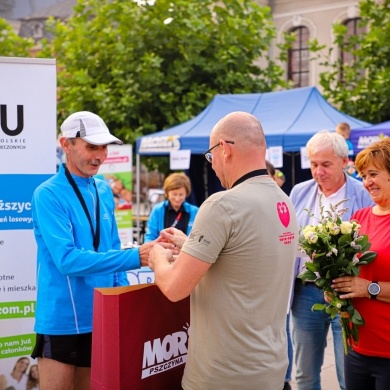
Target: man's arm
pixel 176 278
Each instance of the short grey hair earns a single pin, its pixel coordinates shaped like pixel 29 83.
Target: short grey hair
pixel 325 139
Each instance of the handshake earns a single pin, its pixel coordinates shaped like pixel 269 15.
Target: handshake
pixel 165 248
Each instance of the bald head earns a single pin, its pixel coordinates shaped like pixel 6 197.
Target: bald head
pixel 243 128
pixel 241 147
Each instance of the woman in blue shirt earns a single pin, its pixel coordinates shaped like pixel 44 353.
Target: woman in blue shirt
pixel 174 211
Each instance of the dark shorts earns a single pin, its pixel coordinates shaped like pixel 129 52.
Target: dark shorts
pixel 69 349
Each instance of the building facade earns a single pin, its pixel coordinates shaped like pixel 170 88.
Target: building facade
pixel 310 19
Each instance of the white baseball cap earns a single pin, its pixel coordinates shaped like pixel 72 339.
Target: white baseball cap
pixel 88 126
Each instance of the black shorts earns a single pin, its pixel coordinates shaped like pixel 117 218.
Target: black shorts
pixel 69 349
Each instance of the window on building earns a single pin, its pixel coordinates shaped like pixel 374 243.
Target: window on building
pixel 298 58
pixel 347 57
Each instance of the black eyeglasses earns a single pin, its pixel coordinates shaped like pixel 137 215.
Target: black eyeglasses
pixel 207 154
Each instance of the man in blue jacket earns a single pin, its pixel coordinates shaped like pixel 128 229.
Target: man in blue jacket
pixel 328 155
pixel 78 250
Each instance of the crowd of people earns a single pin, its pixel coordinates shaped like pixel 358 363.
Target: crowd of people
pixel 227 255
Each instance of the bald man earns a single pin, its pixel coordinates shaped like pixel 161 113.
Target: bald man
pixel 237 265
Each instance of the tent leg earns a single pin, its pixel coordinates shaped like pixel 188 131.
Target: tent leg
pixel 293 170
pixel 205 181
pixel 138 191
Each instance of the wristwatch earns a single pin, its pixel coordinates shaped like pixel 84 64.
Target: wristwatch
pixel 374 289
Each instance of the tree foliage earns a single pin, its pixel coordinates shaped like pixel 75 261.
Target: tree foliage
pixel 364 89
pixel 145 67
pixel 11 45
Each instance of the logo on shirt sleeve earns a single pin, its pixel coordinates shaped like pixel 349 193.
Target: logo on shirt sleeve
pixel 284 213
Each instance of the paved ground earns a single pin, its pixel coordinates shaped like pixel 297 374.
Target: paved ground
pixel 328 373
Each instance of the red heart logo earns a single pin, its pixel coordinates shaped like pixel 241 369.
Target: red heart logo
pixel 284 213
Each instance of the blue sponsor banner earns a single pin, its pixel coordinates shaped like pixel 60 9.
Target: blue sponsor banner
pixel 15 200
pixel 361 138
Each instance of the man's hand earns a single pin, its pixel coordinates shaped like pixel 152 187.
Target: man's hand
pixel 145 249
pixel 160 254
pixel 173 236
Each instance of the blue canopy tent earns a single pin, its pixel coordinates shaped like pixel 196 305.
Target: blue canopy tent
pixel 289 118
pixel 363 137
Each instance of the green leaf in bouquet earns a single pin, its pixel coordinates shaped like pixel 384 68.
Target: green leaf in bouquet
pixel 350 308
pixel 328 289
pixel 327 275
pixel 362 240
pixel 357 319
pixel 321 282
pixel 314 267
pixel 343 262
pixel 307 275
pixel 367 257
pixel 319 306
pixel 348 270
pixel 302 240
pixel 334 273
pixel 354 333
pixel 333 312
pixel 319 255
pixel 344 302
pixel 365 248
pixel 355 271
pixel 344 240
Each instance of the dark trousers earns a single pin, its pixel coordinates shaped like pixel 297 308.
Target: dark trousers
pixel 366 372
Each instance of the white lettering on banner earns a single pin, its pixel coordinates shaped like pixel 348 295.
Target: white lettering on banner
pixel 168 353
pixel 15 206
pixel 13 147
pixel 365 141
pixel 160 144
pixel 12 141
pixel 15 219
pixel 164 366
pixel 18 350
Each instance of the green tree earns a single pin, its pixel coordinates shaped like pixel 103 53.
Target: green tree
pixel 363 90
pixel 145 67
pixel 11 45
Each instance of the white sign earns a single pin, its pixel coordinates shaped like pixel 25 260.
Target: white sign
pixel 27 158
pixel 180 159
pixel 274 155
pixel 305 162
pixel 159 144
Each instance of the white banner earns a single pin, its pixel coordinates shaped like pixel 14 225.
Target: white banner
pixel 27 158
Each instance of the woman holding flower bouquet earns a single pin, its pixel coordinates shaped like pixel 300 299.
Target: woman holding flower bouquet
pixel 367 366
